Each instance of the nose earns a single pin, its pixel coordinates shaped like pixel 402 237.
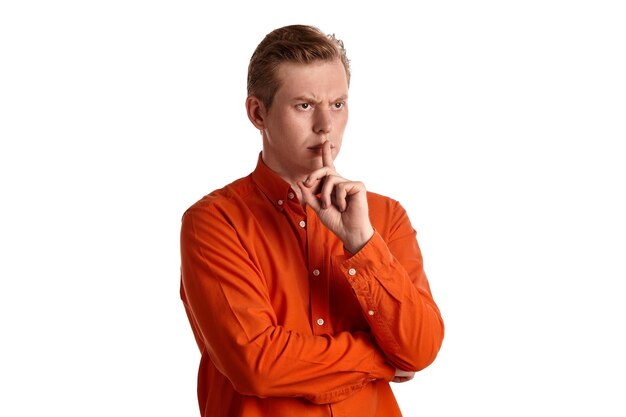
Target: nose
pixel 323 123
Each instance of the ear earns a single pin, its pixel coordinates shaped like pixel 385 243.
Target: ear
pixel 256 112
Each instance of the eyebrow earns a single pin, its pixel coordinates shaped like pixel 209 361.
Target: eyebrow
pixel 312 99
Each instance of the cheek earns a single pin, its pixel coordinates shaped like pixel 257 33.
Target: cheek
pixel 294 125
pixel 341 121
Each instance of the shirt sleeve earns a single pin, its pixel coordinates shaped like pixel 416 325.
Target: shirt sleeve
pixel 389 282
pixel 229 308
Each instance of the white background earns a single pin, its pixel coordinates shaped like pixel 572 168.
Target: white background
pixel 499 125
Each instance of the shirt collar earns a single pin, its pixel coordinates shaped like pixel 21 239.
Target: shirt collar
pixel 277 190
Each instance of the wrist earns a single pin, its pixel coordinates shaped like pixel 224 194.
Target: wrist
pixel 356 241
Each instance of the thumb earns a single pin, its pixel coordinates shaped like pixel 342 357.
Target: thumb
pixel 309 198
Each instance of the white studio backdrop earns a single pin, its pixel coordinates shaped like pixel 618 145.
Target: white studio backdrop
pixel 498 125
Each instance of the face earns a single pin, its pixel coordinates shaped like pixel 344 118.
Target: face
pixel 309 108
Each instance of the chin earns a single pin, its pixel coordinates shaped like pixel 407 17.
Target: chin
pixel 316 164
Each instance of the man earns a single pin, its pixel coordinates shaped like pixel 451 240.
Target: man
pixel 306 293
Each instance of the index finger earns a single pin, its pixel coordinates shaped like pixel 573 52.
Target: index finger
pixel 327 155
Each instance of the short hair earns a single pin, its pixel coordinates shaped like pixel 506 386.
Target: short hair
pixel 300 44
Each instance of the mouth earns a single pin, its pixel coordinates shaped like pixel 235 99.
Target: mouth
pixel 319 148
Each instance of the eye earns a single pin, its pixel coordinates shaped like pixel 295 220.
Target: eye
pixel 304 106
pixel 339 105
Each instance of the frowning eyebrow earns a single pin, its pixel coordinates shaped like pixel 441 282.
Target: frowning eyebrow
pixel 312 99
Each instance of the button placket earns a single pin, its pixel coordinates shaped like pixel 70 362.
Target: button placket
pixel 320 312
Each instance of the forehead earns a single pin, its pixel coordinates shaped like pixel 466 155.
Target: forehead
pixel 320 78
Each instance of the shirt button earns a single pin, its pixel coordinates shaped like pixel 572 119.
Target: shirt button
pixel 316 272
pixel 291 196
pixel 320 322
pixel 352 271
pixel 302 223
pixel 280 202
pixel 371 312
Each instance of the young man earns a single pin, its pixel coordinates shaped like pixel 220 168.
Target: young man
pixel 306 293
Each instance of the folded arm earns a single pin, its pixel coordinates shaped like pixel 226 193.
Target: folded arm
pixel 230 311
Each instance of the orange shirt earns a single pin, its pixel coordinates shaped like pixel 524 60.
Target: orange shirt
pixel 290 324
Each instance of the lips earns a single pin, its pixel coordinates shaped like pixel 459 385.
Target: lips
pixel 319 147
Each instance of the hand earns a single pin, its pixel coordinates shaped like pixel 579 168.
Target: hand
pixel 402 376
pixel 342 205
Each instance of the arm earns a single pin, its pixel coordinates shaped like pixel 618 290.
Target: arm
pixel 386 275
pixel 389 282
pixel 230 311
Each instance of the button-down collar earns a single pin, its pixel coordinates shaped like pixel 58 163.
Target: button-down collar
pixel 271 184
